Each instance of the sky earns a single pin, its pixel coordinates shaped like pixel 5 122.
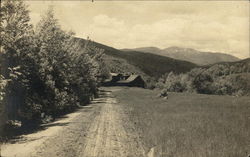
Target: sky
pixel 216 26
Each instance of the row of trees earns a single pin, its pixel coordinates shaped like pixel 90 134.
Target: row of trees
pixel 43 71
pixel 221 79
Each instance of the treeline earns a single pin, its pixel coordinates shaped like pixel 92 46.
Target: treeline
pixel 43 71
pixel 220 79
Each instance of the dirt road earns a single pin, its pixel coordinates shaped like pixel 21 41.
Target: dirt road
pixel 98 130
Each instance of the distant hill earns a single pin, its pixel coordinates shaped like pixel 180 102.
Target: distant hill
pixel 188 54
pixel 150 64
pixel 228 68
pixel 119 65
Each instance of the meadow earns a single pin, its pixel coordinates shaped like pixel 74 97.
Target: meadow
pixel 189 125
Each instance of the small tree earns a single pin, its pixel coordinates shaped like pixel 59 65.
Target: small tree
pixel 203 83
pixel 173 83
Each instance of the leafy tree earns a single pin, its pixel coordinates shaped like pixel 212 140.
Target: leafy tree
pixel 68 73
pixel 43 72
pixel 173 83
pixel 54 64
pixel 16 38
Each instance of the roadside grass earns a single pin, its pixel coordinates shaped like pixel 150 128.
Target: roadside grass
pixel 189 125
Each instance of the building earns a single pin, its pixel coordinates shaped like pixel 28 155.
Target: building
pixel 132 81
pixel 115 77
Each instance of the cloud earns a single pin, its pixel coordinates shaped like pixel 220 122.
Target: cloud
pixel 105 21
pixel 191 31
pixel 210 26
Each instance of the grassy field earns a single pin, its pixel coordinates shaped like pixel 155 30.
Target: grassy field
pixel 189 125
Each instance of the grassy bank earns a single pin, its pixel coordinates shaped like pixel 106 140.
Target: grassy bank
pixel 189 124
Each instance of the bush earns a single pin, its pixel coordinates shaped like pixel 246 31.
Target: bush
pixel 173 83
pixel 213 80
pixel 3 83
pixel 203 83
pixel 223 86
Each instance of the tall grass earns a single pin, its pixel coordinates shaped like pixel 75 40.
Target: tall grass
pixel 189 125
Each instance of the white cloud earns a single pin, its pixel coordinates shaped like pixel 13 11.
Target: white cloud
pixel 215 26
pixel 193 32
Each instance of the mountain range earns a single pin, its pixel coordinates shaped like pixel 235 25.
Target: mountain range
pixel 188 54
pixel 152 64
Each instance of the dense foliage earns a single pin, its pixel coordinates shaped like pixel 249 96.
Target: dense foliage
pixel 43 71
pixel 221 79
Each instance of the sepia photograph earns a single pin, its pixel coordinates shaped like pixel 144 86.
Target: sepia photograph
pixel 124 78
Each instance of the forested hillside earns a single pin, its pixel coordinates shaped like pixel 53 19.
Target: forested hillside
pixel 229 78
pixel 150 64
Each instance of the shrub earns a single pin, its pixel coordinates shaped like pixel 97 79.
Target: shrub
pixel 217 79
pixel 173 83
pixel 203 83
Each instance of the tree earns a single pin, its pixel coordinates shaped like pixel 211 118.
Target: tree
pixel 53 62
pixel 203 83
pixel 16 38
pixel 43 72
pixel 68 73
pixel 173 83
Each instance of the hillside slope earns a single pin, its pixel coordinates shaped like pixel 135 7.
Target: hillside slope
pixel 151 64
pixel 228 78
pixel 231 77
pixel 188 54
pixel 228 68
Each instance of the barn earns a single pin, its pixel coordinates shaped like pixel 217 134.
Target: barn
pixel 132 81
pixel 115 77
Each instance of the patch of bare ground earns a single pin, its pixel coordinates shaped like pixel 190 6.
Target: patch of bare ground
pixel 56 140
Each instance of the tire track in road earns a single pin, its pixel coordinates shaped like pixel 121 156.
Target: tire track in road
pixel 108 137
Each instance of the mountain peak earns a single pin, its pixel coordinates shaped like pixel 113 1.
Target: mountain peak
pixel 189 54
pixel 147 49
pixel 180 49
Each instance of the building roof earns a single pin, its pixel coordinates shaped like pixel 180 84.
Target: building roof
pixel 129 79
pixel 114 74
pixel 132 77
